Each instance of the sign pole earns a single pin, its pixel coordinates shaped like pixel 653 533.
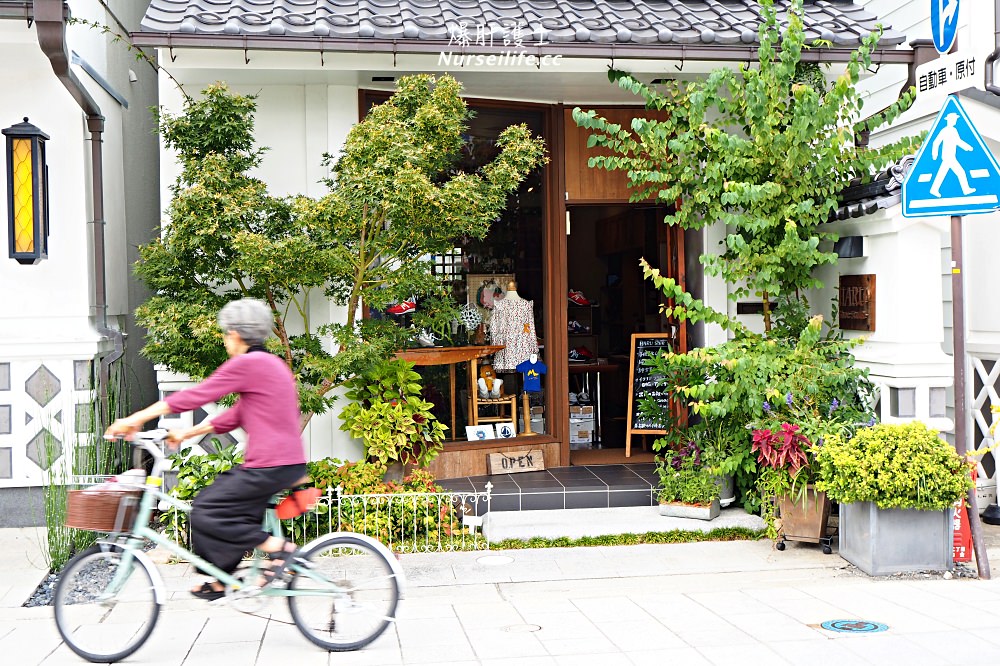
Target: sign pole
pixel 961 420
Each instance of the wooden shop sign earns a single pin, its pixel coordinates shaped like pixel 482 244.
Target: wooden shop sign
pixel 857 302
pixel 515 461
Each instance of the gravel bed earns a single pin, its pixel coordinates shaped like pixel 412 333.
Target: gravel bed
pixel 42 596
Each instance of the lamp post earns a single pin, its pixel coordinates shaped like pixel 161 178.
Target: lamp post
pixel 27 193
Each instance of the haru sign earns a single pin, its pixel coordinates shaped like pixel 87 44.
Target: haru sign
pixel 954 173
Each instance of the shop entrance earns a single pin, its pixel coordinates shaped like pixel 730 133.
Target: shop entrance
pixel 609 301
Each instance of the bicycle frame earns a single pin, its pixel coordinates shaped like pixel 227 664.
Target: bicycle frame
pixel 152 495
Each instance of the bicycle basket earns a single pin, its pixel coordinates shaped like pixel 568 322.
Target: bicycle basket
pixel 102 510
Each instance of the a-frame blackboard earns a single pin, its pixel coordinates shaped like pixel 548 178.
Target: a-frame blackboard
pixel 644 384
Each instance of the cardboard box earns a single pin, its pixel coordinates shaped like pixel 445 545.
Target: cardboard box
pixel 581 411
pixel 581 431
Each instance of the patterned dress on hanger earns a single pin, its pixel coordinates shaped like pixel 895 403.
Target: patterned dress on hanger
pixel 513 326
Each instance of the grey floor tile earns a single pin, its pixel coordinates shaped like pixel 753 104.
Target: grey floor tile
pixel 538 500
pixel 617 498
pixel 586 499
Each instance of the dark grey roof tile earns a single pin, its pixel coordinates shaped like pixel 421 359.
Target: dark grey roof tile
pixel 841 22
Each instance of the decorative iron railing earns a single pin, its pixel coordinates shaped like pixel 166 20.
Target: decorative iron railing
pixel 404 522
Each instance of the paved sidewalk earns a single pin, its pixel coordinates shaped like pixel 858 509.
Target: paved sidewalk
pixel 703 603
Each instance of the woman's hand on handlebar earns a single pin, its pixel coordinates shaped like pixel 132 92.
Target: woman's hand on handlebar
pixel 125 427
pixel 175 437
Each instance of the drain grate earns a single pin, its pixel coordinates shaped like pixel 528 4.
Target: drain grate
pixel 854 626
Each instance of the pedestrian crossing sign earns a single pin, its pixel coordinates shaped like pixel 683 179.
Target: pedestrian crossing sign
pixel 954 173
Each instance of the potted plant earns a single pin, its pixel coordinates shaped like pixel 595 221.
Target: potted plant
pixel 688 489
pixel 896 485
pixel 785 438
pixel 389 415
pixel 791 507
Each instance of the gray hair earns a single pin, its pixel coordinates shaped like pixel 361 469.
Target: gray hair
pixel 252 319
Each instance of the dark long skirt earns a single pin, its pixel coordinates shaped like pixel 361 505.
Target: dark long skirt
pixel 227 515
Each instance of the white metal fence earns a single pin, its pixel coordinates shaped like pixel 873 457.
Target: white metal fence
pixel 404 522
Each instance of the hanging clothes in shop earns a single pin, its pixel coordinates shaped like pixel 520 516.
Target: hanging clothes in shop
pixel 513 326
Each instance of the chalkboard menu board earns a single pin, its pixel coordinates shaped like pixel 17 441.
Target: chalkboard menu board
pixel 644 384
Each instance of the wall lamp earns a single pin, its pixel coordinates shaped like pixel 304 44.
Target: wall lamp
pixel 27 193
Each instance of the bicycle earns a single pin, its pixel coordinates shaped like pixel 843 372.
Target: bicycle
pixel 342 588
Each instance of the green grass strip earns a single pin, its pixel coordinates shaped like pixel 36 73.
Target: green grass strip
pixel 477 543
pixel 628 539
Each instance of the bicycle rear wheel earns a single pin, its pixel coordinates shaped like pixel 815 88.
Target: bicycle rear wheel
pixel 345 593
pixel 105 604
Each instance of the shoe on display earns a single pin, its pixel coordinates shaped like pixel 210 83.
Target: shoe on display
pixel 572 398
pixel 576 327
pixel 409 305
pixel 426 339
pixel 583 397
pixel 577 298
pixel 584 353
pixel 575 355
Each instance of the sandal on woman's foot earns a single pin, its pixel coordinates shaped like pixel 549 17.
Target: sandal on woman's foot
pixel 276 571
pixel 207 592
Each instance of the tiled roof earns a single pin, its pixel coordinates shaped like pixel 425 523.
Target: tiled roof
pixel 708 22
pixel 885 191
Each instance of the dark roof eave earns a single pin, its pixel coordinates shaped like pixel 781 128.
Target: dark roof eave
pixel 17 10
pixel 412 46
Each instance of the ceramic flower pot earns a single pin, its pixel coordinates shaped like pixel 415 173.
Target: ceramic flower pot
pixel 804 518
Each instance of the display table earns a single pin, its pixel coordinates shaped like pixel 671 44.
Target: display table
pixel 450 356
pixel 595 367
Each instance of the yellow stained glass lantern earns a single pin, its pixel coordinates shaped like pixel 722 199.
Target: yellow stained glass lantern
pixel 27 193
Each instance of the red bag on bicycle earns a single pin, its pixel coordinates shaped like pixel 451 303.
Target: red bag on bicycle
pixel 298 502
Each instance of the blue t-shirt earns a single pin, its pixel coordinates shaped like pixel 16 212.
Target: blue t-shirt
pixel 532 375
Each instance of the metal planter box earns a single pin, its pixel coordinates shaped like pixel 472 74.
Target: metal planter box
pixel 680 510
pixel 887 541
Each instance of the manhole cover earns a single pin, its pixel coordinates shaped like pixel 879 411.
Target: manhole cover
pixel 494 560
pixel 854 626
pixel 522 628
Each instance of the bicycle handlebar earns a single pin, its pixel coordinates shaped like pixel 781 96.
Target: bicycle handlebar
pixel 149 441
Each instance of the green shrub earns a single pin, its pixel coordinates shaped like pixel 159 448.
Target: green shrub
pixel 193 474
pixel 896 466
pixel 388 413
pixel 683 478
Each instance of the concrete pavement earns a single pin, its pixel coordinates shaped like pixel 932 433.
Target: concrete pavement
pixel 700 603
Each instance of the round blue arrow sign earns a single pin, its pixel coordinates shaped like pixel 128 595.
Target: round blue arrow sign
pixel 944 24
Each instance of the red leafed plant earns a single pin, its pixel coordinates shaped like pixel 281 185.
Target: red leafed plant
pixel 783 449
pixel 783 457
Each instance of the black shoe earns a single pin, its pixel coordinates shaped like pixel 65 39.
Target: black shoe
pixel 208 593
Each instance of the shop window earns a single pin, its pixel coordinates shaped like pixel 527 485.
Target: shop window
pixel 478 271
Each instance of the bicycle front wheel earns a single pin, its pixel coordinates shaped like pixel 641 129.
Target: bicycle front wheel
pixel 345 593
pixel 105 604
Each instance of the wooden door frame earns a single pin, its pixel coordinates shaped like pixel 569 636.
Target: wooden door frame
pixel 555 260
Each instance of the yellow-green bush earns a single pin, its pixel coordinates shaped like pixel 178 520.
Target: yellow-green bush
pixel 896 466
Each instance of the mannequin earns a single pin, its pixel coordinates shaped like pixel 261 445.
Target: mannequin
pixel 512 291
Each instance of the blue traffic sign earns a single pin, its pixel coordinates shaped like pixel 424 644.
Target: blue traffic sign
pixel 954 173
pixel 944 24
